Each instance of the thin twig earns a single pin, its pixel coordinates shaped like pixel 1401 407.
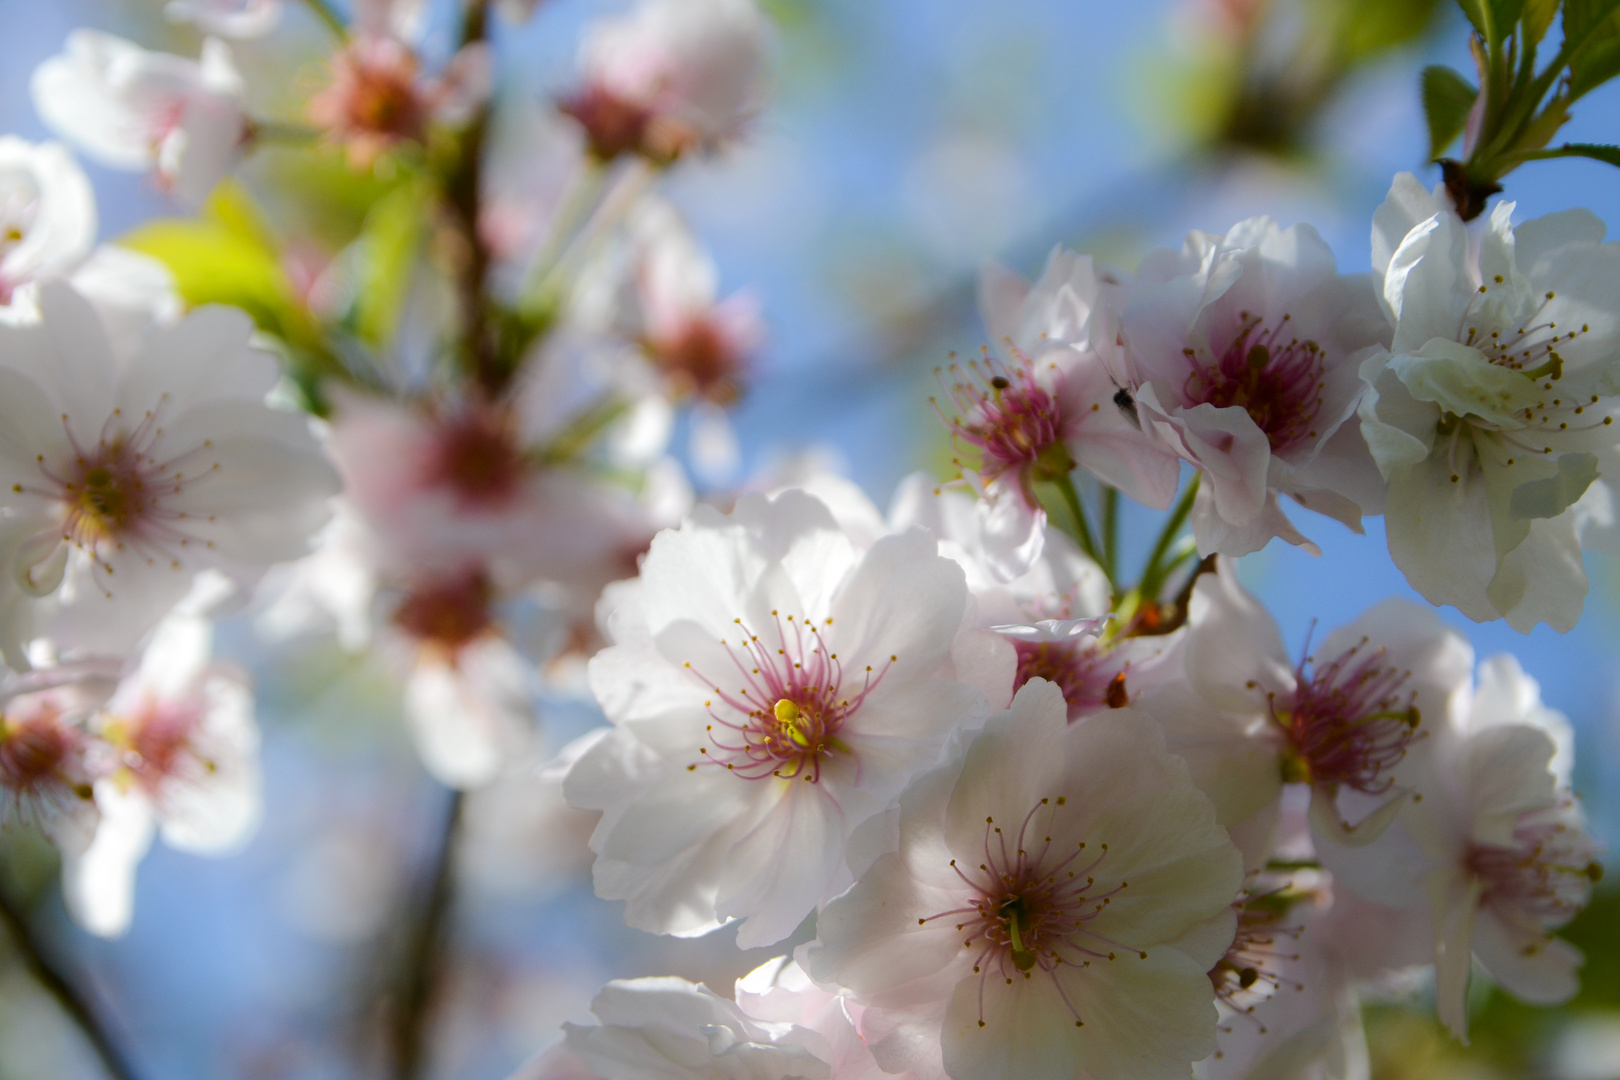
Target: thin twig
pixel 426 953
pixel 329 18
pixel 76 1005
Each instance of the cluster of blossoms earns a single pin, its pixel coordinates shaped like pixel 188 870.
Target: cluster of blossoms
pixel 463 491
pixel 1014 815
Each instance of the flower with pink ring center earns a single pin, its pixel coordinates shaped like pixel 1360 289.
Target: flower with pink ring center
pixel 1009 422
pixel 1244 353
pixel 780 684
pixel 791 721
pixel 48 766
pixel 1034 920
pixel 1543 879
pixel 1277 380
pixel 1350 720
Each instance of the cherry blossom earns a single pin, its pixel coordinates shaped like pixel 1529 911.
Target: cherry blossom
pixel 1249 720
pixel 1495 856
pixel 186 750
pixel 378 97
pixel 1056 616
pixel 125 481
pixel 1055 404
pixel 1490 416
pixel 779 686
pixel 1244 355
pixel 671 76
pixel 127 108
pixel 49 762
pixel 47 227
pixel 1059 894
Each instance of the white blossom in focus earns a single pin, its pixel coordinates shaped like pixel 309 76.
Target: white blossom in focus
pixel 1492 414
pixel 186 751
pixel 1248 719
pixel 1055 617
pixel 672 76
pixel 1053 405
pixel 1059 895
pixel 1244 355
pixel 226 18
pixel 128 108
pixel 772 687
pixel 123 480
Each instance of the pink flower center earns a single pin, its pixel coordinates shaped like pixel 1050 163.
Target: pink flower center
pixel 159 742
pixel 476 456
pixel 373 98
pixel 784 718
pixel 1348 721
pixel 1277 380
pixel 613 124
pixel 1540 881
pixel 36 753
pixel 449 612
pixel 1081 669
pixel 1031 900
pixel 116 495
pixel 1008 421
pixel 700 360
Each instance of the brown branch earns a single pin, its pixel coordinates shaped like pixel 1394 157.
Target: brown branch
pixel 426 954
pixel 75 1004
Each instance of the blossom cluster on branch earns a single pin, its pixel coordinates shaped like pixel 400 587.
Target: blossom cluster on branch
pixel 1019 804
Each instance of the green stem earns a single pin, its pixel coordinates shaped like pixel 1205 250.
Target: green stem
pixel 1110 528
pixel 329 16
pixel 1153 573
pixel 72 1002
pixel 277 132
pixel 584 195
pixel 1082 527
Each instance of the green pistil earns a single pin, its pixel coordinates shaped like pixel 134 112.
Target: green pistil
pixel 1015 914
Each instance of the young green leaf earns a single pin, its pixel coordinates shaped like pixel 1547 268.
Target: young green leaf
pixel 1584 17
pixel 1594 65
pixel 1538 17
pixel 1447 97
pixel 1604 152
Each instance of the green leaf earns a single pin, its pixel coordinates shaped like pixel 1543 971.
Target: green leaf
pixel 1494 19
pixel 1594 65
pixel 227 256
pixel 1596 151
pixel 1538 17
pixel 1447 97
pixel 1586 19
pixel 390 241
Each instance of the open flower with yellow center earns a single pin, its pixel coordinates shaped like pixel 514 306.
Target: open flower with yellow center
pixel 122 481
pixel 1059 895
pixel 772 687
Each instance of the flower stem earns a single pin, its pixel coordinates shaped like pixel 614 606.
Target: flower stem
pixel 1082 527
pixel 1110 528
pixel 463 191
pixel 274 131
pixel 425 955
pixel 329 16
pixel 78 1007
pixel 1153 574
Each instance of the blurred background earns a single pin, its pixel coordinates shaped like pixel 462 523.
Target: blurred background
pixel 909 141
